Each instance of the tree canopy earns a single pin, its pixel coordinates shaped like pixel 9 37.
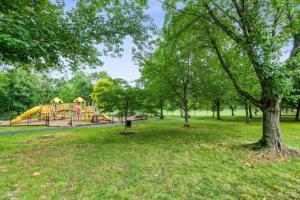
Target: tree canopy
pixel 43 35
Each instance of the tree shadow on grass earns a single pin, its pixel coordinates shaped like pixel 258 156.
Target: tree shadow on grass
pixel 156 136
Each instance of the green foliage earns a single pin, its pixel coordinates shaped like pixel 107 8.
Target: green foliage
pixel 4 92
pixel 104 94
pixel 23 91
pixel 116 95
pixel 43 36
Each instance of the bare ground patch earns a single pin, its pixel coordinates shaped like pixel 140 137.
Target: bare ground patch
pixel 269 155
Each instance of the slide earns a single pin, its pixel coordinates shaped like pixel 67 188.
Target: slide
pixel 105 117
pixel 26 114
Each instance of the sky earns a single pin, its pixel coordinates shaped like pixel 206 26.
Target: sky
pixel 124 67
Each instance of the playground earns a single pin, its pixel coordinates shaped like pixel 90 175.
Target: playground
pixel 60 114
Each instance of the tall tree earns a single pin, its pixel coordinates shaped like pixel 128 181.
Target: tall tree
pixel 117 95
pixel 153 72
pixel 256 30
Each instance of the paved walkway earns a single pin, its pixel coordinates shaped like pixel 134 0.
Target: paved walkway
pixel 49 129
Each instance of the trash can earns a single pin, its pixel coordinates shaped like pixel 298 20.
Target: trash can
pixel 128 123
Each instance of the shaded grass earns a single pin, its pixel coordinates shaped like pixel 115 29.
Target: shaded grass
pixel 160 161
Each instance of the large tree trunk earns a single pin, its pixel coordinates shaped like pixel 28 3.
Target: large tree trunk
pixel 271 126
pixel 218 104
pixel 247 112
pixel 298 111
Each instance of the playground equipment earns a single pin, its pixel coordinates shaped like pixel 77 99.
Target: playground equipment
pixel 78 111
pixel 27 114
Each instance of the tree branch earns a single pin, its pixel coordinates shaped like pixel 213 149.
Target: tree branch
pixel 224 27
pixel 231 76
pixel 225 13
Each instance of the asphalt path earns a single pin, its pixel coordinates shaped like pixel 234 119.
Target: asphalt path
pixel 49 129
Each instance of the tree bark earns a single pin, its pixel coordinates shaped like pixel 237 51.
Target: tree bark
pixel 232 110
pixel 125 104
pixel 181 113
pixel 186 118
pixel 218 104
pixel 250 112
pixel 247 112
pixel 186 112
pixel 271 126
pixel 161 105
pixel 298 111
pixel 255 111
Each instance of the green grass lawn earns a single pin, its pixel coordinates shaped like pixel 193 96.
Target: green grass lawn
pixel 210 160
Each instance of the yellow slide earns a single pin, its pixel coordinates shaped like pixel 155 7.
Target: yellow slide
pixel 105 117
pixel 26 114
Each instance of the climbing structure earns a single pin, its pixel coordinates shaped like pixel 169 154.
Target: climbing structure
pixel 79 110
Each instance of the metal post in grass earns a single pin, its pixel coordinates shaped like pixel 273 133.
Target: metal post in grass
pixel 71 122
pixel 47 119
pixel 11 117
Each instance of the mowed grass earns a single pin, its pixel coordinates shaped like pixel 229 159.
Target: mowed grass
pixel 210 160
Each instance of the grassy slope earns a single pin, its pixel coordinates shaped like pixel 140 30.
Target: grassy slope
pixel 161 161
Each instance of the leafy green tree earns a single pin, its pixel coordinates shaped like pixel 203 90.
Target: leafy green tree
pixel 104 94
pixel 67 92
pixel 117 95
pixel 23 90
pixel 255 30
pixel 42 35
pixel 154 80
pixel 175 71
pixel 83 86
pixel 4 92
pixel 47 89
